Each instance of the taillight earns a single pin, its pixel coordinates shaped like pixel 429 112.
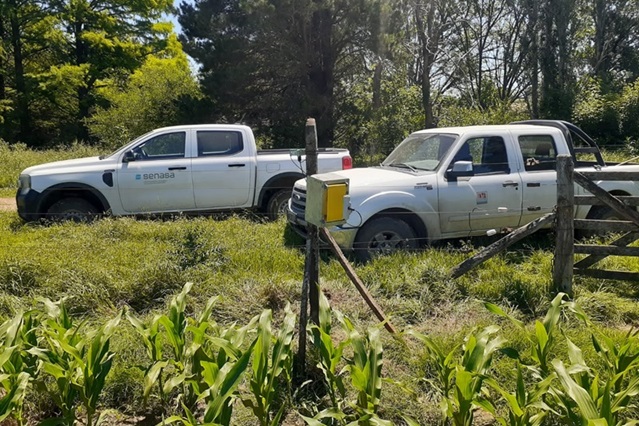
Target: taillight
pixel 347 162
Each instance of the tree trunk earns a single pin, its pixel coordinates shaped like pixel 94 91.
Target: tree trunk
pixel 83 92
pixel 24 117
pixel 321 74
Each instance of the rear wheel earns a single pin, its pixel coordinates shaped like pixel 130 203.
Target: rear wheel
pixel 73 209
pixel 276 206
pixel 383 236
pixel 599 213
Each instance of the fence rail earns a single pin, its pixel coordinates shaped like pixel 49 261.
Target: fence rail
pixel 565 248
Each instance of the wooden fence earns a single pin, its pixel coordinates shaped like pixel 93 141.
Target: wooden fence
pixel 626 221
pixel 623 207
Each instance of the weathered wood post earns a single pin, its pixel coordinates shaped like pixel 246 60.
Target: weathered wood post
pixel 310 285
pixel 312 249
pixel 565 241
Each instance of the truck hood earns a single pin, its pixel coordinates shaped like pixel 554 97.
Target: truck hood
pixel 372 179
pixel 77 164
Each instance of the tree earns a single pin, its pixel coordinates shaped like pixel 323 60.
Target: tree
pixel 153 96
pixel 101 38
pixel 434 25
pixel 558 26
pixel 274 63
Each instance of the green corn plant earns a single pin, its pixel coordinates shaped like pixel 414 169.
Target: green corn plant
pixel 95 360
pixel 525 407
pixel 15 388
pixel 78 363
pixel 462 380
pixel 198 347
pixel 443 363
pixel 586 397
pixel 365 370
pixel 266 371
pixel 364 367
pixel 330 354
pixel 152 339
pixel 170 329
pixel 619 361
pixel 18 364
pixel 59 355
pixel 544 338
pixel 222 389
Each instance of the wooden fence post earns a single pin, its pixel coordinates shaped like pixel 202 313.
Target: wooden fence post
pixel 312 253
pixel 564 247
pixel 310 285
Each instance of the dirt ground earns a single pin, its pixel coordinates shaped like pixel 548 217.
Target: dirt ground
pixel 7 204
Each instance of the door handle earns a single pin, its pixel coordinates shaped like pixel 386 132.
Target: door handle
pixel 178 168
pixel 237 165
pixel 510 183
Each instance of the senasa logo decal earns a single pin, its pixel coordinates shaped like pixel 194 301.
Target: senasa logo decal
pixel 138 177
pixel 155 176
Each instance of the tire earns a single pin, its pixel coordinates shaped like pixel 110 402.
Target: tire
pixel 276 206
pixel 72 209
pixel 599 213
pixel 383 236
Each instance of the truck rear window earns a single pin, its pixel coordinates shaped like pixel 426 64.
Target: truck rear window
pixel 539 152
pixel 218 142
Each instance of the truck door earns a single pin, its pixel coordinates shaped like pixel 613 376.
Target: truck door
pixel 223 170
pixel 539 180
pixel 488 199
pixel 158 178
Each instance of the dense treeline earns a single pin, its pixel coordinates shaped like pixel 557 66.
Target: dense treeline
pixel 368 70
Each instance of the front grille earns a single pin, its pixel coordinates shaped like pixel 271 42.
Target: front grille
pixel 298 202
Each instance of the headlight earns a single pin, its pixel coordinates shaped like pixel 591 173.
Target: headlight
pixel 24 182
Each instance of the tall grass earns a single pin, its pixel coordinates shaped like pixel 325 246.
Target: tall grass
pixel 15 158
pixel 251 266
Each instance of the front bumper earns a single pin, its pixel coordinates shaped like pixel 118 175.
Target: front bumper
pixel 344 237
pixel 28 203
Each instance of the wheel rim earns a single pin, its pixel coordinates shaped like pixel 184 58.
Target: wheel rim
pixel 74 215
pixel 281 208
pixel 387 242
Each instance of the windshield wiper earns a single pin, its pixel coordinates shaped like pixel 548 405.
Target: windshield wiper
pixel 403 166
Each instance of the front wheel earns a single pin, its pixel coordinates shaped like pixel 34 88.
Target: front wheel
pixel 383 236
pixel 72 209
pixel 277 204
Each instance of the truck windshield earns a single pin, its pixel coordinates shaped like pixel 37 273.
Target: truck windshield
pixel 421 151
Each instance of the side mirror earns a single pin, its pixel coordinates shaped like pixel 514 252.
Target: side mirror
pixel 128 157
pixel 460 169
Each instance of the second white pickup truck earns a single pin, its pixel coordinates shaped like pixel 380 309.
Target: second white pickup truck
pixel 198 168
pixel 460 182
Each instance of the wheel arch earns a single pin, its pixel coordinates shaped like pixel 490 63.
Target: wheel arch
pixel 408 216
pixel 275 184
pixel 593 209
pixel 86 192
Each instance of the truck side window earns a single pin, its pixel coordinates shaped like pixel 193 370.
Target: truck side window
pixel 166 146
pixel 218 143
pixel 489 155
pixel 539 152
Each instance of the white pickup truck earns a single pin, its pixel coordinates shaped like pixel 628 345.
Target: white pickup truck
pixel 460 182
pixel 198 168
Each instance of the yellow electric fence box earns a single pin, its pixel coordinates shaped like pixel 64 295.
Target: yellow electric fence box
pixel 327 199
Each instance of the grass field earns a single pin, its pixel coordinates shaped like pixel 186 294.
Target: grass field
pixel 105 266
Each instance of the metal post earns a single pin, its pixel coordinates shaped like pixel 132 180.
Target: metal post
pixel 564 247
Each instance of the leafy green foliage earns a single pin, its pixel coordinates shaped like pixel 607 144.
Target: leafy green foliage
pixel 153 96
pixel 266 379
